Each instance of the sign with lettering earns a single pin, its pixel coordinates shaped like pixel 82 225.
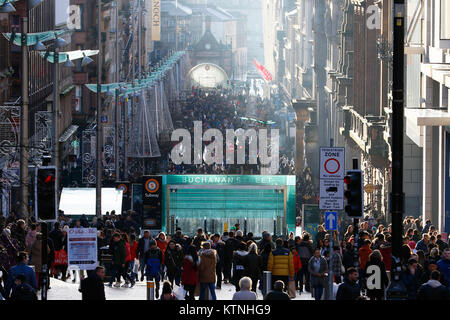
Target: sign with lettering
pixel 332 163
pixel 152 202
pixel 82 248
pixel 156 20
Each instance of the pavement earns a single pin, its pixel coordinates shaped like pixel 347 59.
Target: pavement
pixel 61 290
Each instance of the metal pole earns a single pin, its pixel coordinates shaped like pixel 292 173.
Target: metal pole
pixel 356 228
pixel 44 272
pixel 98 189
pixel 150 290
pixel 56 108
pixel 117 113
pixel 24 123
pixel 267 282
pixel 330 269
pixel 397 196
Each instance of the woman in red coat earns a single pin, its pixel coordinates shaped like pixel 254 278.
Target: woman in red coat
pixel 161 242
pixel 297 267
pixel 189 276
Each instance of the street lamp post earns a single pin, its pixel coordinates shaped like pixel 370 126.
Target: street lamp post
pixel 98 189
pixel 24 121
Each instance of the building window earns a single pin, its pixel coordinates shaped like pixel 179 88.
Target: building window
pixel 445 19
pixel 171 37
pixel 78 99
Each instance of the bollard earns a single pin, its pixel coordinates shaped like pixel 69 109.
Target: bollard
pixel 267 282
pixel 150 290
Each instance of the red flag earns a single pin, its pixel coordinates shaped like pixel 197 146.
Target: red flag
pixel 263 71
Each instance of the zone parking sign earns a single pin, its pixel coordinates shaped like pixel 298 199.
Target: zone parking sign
pixel 332 163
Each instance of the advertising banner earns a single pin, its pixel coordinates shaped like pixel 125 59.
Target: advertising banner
pixel 156 20
pixel 82 248
pixel 152 202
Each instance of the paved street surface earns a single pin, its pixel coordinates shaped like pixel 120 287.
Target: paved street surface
pixel 69 291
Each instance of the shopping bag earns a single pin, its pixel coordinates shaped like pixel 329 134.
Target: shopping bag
pixel 291 289
pixel 61 257
pixel 136 266
pixel 179 293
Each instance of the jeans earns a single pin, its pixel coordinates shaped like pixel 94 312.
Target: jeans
pixel 115 273
pixel 212 289
pixel 318 291
pixel 227 265
pixel 130 270
pixel 219 276
pixel 157 279
pixel 305 272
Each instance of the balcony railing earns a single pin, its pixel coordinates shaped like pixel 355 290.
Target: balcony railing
pixel 366 132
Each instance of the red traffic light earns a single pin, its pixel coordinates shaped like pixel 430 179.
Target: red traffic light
pixel 347 180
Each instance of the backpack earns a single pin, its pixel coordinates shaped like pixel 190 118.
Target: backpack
pixel 153 263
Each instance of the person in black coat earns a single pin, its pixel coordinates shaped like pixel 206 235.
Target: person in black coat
pixel 92 288
pixel 278 292
pixel 56 236
pixel 433 289
pixel 349 289
pixel 253 265
pixel 376 259
pixel 219 246
pixel 23 291
pixel 231 245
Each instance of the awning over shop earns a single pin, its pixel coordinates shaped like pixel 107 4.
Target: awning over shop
pixel 78 201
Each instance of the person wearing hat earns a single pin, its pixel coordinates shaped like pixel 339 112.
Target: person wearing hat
pixel 153 263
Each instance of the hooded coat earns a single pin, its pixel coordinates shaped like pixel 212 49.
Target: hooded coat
pixel 207 267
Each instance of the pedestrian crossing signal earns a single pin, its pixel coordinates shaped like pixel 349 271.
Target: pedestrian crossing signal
pixel 354 194
pixel 45 194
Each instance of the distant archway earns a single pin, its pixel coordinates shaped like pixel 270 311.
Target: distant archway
pixel 207 75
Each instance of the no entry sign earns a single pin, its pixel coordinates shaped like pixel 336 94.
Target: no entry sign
pixel 332 163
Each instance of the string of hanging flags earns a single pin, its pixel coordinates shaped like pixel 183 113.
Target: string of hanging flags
pixel 126 88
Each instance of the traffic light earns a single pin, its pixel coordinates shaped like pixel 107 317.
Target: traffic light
pixel 354 194
pixel 46 194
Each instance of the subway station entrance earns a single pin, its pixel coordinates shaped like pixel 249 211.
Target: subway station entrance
pixel 217 202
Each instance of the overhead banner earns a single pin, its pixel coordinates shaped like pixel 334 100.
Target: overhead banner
pixel 156 20
pixel 82 248
pixel 263 71
pixel 152 202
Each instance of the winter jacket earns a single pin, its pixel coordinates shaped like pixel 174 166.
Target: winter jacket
pixel 315 279
pixel 128 250
pixel 384 277
pixel 231 245
pixel 19 235
pixel 253 265
pixel 36 255
pixel 173 260
pixel 207 267
pixel 20 268
pixel 220 250
pixel 119 252
pixel 433 290
pixel 348 291
pixel 23 292
pixel 444 268
pixel 133 250
pixel 411 283
pixel 364 253
pixel 8 252
pixel 92 289
pixel 56 236
pixel 421 245
pixel 281 262
pixel 153 262
pixel 297 262
pixel 238 265
pixel 30 239
pixel 386 251
pixel 336 264
pixel 189 275
pixel 162 245
pixel 305 251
